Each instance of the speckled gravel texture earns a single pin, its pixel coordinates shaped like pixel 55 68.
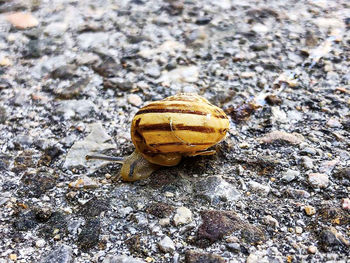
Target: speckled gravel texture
pixel 75 73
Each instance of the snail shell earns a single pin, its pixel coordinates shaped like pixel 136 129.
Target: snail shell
pixel 164 131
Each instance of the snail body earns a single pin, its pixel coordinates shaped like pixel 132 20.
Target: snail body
pixel 164 131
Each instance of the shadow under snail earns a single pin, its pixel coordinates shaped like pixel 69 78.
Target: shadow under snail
pixel 164 131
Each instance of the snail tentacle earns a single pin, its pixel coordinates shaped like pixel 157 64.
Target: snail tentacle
pixel 105 158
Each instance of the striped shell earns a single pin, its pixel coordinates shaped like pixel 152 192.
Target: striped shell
pixel 181 125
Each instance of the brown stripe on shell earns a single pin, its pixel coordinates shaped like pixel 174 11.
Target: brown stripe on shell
pixel 187 98
pixel 180 143
pixel 183 111
pixel 166 127
pixel 163 105
pixel 179 127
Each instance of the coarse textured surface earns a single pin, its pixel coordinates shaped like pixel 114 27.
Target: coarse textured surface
pixel 74 73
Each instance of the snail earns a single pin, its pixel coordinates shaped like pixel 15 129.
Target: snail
pixel 164 131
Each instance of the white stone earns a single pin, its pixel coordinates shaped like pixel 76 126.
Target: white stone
pixel 269 220
pixel 121 259
pixel 259 188
pixel 181 74
pixel 84 182
pixel 318 180
pixel 183 216
pixel 135 100
pixel 76 108
pixel 290 175
pixel 96 141
pixel 40 243
pixel 166 245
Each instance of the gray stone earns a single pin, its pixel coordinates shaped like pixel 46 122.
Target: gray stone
pixel 166 245
pixel 181 75
pixel 24 140
pixel 259 188
pixel 55 29
pixel 290 175
pixel 60 254
pixel 98 140
pixel 307 162
pixel 3 115
pixel 318 180
pixel 152 71
pixel 75 108
pixel 122 259
pixel 93 40
pixel 215 189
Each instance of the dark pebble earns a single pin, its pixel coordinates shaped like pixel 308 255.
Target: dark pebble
pixel 3 116
pixel 192 256
pixel 34 49
pixel 270 66
pixel 89 236
pixel 135 39
pixel 35 185
pixel 346 124
pixel 330 214
pixel 107 68
pixel 259 47
pixel 4 84
pixel 134 244
pixel 25 222
pixel 160 210
pixel 64 72
pixel 343 173
pixel 57 220
pixel 175 7
pixel 347 21
pixel 94 207
pixel 217 224
pixel 117 83
pixel 203 21
pixel 23 162
pixel 330 240
pixel 74 90
pixel 43 214
pixel 273 100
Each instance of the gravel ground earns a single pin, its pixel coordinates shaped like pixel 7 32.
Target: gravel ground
pixel 72 75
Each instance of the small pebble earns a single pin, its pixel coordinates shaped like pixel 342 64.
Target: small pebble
pixel 290 175
pixel 312 249
pixel 269 220
pixel 84 182
pixel 345 203
pixel 164 222
pixel 318 180
pixel 13 257
pixel 5 62
pixel 166 245
pixel 247 75
pixel 259 188
pixel 298 230
pixel 135 100
pixel 334 123
pixel 252 258
pixel 40 243
pixel 310 210
pixel 22 20
pixel 307 162
pixel 183 216
pixel 292 138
